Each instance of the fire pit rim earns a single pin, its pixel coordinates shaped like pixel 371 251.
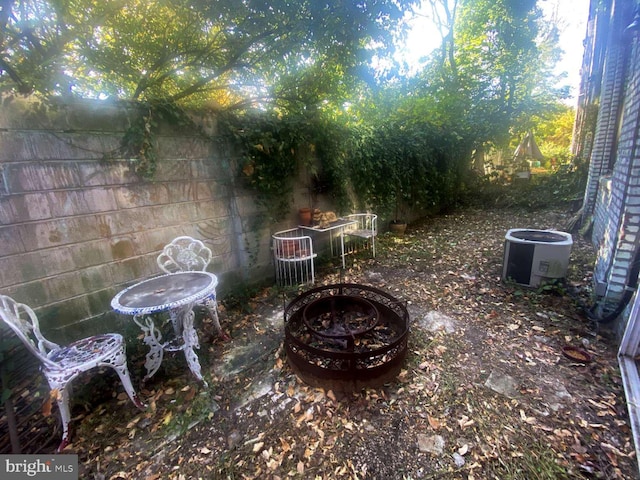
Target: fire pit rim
pixel 347 370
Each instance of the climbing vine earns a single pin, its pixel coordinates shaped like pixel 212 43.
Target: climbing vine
pixel 140 140
pixel 274 148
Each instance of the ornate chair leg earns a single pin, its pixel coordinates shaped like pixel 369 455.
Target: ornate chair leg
pixel 119 364
pixel 63 405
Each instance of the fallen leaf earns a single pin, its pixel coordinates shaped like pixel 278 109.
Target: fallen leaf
pixel 167 417
pixel 46 407
pixel 435 423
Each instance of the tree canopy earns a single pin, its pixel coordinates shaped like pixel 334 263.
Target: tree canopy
pixel 309 68
pixel 198 51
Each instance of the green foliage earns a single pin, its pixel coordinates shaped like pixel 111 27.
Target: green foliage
pixel 408 164
pixel 275 148
pixel 269 145
pixel 186 51
pixel 563 186
pixel 403 144
pixel 138 143
pixel 554 132
pixel 494 71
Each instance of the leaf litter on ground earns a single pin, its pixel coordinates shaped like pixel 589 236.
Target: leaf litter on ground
pixel 557 419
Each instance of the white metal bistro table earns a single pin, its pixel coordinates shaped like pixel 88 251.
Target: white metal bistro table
pixel 339 224
pixel 175 293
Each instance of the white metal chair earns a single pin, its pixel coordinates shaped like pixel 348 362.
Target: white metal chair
pixel 362 233
pixel 186 254
pixel 60 365
pixel 293 257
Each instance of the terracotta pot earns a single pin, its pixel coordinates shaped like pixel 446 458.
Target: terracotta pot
pixel 305 216
pixel 289 248
pixel 397 227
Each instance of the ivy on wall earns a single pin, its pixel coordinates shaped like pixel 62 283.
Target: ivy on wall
pixel 139 141
pixel 274 149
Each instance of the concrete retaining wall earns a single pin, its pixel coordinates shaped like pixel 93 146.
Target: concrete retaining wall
pixel 77 224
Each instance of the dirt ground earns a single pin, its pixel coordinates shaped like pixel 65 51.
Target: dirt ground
pixel 485 392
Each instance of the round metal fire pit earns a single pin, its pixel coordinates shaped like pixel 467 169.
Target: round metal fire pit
pixel 346 337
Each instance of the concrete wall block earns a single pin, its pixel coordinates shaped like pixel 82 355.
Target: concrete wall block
pixel 107 173
pixel 34 265
pixel 66 203
pixel 11 240
pixel 95 278
pixel 151 242
pixel 222 264
pixel 98 116
pixel 122 247
pixel 57 319
pixel 8 214
pixel 90 253
pixel 61 231
pixel 16 147
pixel 30 293
pixel 170 214
pixel 142 195
pixel 214 228
pixel 100 303
pixel 123 222
pixel 210 189
pixel 220 208
pixel 184 147
pixel 63 286
pixel 182 191
pixel 247 205
pixel 24 207
pixel 172 170
pixel 132 270
pixel 58 145
pixel 209 169
pixel 64 114
pixel 30 177
pixel 219 246
pixel 208 209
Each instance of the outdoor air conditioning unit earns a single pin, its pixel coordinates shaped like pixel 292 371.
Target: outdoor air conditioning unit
pixel 532 257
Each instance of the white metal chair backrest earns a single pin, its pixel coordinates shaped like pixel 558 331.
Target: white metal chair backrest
pixel 184 254
pixel 24 323
pixel 365 228
pixel 294 256
pixel 292 245
pixel 367 224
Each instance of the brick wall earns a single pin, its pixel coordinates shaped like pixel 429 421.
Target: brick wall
pixel 617 215
pixel 626 182
pixel 610 102
pixel 76 228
